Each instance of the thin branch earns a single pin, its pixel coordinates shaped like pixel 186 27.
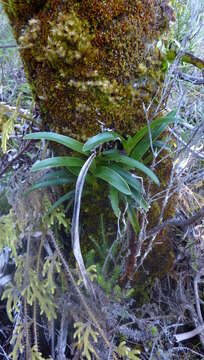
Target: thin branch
pixel 188 58
pixel 189 334
pixel 179 223
pixel 192 79
pixel 193 60
pixel 8 46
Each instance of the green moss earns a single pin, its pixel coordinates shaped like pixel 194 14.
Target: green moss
pixel 92 60
pixel 69 41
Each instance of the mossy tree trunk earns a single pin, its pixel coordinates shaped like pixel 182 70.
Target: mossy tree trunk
pixel 91 64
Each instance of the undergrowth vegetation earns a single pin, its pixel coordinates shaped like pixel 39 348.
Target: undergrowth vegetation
pixel 131 286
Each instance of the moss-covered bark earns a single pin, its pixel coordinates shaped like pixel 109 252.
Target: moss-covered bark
pixel 91 63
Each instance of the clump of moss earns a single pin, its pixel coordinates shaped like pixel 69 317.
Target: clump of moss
pixel 69 40
pixel 31 35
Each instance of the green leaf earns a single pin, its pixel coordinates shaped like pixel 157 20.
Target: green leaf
pixel 139 200
pixel 60 139
pixel 52 182
pixel 53 174
pixel 67 196
pixel 132 163
pixel 58 161
pixel 130 144
pixel 130 178
pixel 113 178
pixel 114 201
pixel 143 146
pixel 133 219
pixel 100 139
pixel 8 126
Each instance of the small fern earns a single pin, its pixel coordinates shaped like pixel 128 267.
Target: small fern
pixel 8 233
pixel 18 342
pixel 48 270
pixel 126 353
pixel 56 216
pixel 37 290
pixel 91 272
pixel 36 355
pixel 85 336
pixel 8 126
pixel 13 297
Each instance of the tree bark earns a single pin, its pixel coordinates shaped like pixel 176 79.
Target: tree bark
pixel 93 63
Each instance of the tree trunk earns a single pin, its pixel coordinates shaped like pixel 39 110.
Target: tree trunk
pixel 91 64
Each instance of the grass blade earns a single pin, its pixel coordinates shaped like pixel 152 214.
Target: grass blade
pixel 133 219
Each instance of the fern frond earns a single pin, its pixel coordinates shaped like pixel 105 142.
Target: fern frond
pixel 8 126
pixel 36 355
pixel 92 273
pixel 85 336
pixel 18 342
pixel 56 216
pixel 38 290
pixel 13 297
pixel 8 233
pixel 126 353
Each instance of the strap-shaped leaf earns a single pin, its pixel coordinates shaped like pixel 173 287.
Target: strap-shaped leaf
pixel 139 199
pixel 52 182
pixel 60 139
pixel 134 164
pixel 67 196
pixel 68 161
pixel 114 201
pixel 130 178
pixel 100 139
pixel 130 144
pixel 143 146
pixel 53 174
pixel 133 219
pixel 113 178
